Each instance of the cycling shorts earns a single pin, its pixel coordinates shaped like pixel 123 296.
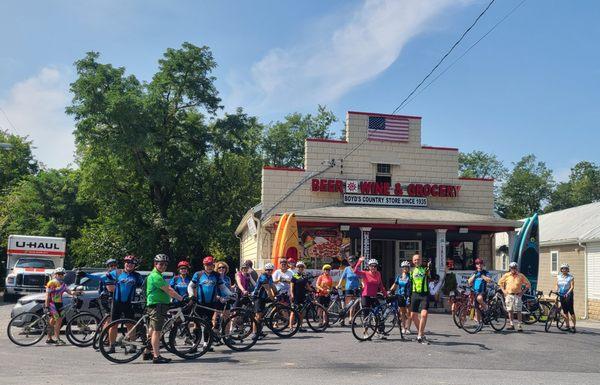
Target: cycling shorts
pixel 299 299
pixel 567 304
pixel 56 310
pixel 402 300
pixel 259 305
pixel 352 292
pixel 122 310
pixel 369 302
pixel 325 301
pixel 419 302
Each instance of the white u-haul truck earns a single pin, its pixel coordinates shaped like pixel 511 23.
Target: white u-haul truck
pixel 30 263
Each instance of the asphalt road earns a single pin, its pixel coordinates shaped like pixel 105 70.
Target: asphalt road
pixel 533 357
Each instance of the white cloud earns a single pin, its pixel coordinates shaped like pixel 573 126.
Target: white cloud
pixel 36 107
pixel 322 69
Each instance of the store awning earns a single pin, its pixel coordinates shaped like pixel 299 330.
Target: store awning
pixel 396 217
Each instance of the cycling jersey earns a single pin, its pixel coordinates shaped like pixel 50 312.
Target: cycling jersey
pixel 371 281
pixel 105 281
pixel 352 280
pixel 564 283
pixel 180 285
pixel 56 289
pixel 264 279
pixel 207 286
pixel 403 285
pixel 419 277
pixel 225 286
pixel 125 285
pixel 326 283
pixel 479 284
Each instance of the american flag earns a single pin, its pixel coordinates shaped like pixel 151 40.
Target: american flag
pixel 392 128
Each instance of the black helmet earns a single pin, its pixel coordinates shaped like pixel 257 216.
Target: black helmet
pixel 161 258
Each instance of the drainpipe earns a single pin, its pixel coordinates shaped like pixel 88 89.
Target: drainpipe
pixel 585 269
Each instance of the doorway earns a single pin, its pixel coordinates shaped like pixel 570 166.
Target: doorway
pixel 404 252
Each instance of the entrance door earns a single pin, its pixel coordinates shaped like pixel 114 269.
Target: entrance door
pixel 404 252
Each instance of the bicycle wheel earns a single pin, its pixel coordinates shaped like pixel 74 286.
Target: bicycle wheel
pixel 129 343
pixel 236 331
pixel 279 321
pixel 81 329
pixel 389 319
pixel 455 316
pixel 105 321
pixel 550 319
pixel 560 322
pixel 471 319
pixel 530 312
pixel 497 317
pixel 544 311
pixel 333 312
pixel 316 317
pixel 27 329
pixel 364 324
pixel 191 338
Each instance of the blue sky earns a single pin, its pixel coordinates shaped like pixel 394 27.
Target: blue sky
pixel 532 86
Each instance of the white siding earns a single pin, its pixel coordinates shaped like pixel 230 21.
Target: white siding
pixel 248 247
pixel 593 273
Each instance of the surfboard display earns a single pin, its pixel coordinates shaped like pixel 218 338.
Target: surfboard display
pixel 276 239
pixel 529 251
pixel 289 247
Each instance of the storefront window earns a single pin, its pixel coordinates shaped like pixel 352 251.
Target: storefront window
pixel 460 255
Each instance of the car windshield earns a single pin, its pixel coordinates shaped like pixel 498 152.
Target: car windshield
pixel 35 263
pixel 89 283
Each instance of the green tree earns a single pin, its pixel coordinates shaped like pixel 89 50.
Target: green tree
pixel 283 143
pixel 583 187
pixel 527 188
pixel 478 164
pixel 16 162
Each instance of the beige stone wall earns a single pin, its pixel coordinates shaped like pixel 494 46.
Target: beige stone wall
pixel 574 256
pixel 411 163
pixel 594 309
pixel 484 250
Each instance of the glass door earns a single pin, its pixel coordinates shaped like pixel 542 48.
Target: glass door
pixel 404 252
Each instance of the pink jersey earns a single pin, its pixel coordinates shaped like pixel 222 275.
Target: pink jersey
pixel 371 281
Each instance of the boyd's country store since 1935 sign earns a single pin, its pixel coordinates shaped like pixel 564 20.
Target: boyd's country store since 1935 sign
pixel 383 193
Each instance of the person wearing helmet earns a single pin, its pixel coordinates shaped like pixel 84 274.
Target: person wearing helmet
pixel 158 297
pixel 265 290
pixel 55 288
pixel 402 288
pixel 299 287
pixel 565 284
pixel 351 284
pixel 282 278
pixel 126 282
pixel 478 281
pixel 419 297
pixel 372 284
pixel 181 281
pixel 512 284
pixel 324 285
pixel 107 286
pixel 205 290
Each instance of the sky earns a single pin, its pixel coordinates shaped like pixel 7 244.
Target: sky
pixel 531 86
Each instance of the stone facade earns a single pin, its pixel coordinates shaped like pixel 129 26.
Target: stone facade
pixel 594 309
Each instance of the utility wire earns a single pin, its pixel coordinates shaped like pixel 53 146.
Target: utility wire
pixel 445 55
pixel 8 120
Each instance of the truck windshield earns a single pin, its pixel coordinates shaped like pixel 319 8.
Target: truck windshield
pixel 36 263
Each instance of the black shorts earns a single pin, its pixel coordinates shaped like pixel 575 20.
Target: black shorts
pixel 105 305
pixel 299 300
pixel 419 302
pixel 206 313
pixel 259 305
pixel 567 304
pixel 122 310
pixel 369 302
pixel 352 292
pixel 402 300
pixel 325 301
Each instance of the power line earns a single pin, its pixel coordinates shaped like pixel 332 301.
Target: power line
pixel 467 51
pixel 8 120
pixel 445 56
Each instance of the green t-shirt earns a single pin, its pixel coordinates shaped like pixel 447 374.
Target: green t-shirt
pixel 419 280
pixel 154 293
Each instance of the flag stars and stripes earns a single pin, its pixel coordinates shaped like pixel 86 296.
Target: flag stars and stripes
pixel 393 129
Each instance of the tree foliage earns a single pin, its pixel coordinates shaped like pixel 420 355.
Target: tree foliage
pixel 583 187
pixel 478 164
pixel 16 162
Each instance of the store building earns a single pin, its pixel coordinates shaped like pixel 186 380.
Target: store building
pixel 379 193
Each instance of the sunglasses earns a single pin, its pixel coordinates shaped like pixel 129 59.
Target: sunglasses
pixel 222 268
pixel 129 263
pixel 161 263
pixel 268 269
pixel 114 265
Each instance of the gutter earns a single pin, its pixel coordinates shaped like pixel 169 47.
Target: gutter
pixel 585 269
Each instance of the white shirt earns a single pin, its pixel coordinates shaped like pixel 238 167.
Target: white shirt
pixel 283 286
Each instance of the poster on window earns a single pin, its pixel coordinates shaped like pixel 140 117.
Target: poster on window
pixel 324 245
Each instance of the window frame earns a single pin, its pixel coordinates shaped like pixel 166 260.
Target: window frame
pixel 552 270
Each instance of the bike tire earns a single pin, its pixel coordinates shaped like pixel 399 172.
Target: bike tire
pixel 120 343
pixel 364 324
pixel 389 319
pixel 455 316
pixel 560 322
pixel 32 323
pixel 550 319
pixel 243 338
pixel 78 326
pixel 333 312
pixel 317 323
pixel 497 317
pixel 186 338
pixel 278 321
pixel 103 322
pixel 468 319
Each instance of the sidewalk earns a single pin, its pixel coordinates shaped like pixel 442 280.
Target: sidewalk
pixel 586 323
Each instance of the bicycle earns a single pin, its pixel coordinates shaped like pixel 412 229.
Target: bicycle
pixel 313 313
pixel 531 310
pixel 106 319
pixel 380 319
pixel 555 315
pixel 82 328
pixel 337 311
pixel 472 317
pixel 29 328
pixel 459 299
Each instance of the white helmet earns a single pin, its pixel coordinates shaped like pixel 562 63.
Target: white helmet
pixel 269 266
pixel 300 264
pixel 513 264
pixel 405 264
pixel 373 262
pixel 60 270
pixel 564 266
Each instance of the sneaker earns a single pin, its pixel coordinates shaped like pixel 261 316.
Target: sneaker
pixel 519 328
pixel 407 331
pixel 50 341
pixel 147 356
pixel 422 340
pixel 160 360
pixel 573 330
pixel 510 327
pixel 60 342
pixel 204 344
pixel 111 349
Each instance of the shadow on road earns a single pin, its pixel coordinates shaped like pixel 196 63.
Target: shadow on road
pixel 456 343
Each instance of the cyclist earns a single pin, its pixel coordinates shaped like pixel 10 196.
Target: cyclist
pixel 158 296
pixel 253 274
pixel 299 286
pixel 225 292
pixel 107 286
pixel 126 282
pixel 479 281
pixel 419 298
pixel 282 278
pixel 324 285
pixel 180 282
pixel 565 284
pixel 512 284
pixel 205 289
pixel 292 265
pixel 402 287
pixel 372 284
pixel 352 284
pixel 264 290
pixel 55 288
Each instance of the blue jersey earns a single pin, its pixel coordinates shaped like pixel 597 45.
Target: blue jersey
pixel 264 279
pixel 479 284
pixel 403 285
pixel 207 286
pixel 180 285
pixel 125 285
pixel 352 280
pixel 564 283
pixel 105 281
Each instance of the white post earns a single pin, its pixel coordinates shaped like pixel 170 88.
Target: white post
pixel 440 250
pixel 511 244
pixel 365 244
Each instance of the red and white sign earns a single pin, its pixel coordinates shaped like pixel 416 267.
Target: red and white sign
pixel 422 190
pixel 36 246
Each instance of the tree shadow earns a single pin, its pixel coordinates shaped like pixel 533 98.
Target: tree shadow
pixel 455 343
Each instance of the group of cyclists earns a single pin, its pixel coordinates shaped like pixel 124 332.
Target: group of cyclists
pixel 411 292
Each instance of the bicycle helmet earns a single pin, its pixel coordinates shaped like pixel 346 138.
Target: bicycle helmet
pixel 300 264
pixel 405 264
pixel 478 261
pixel 269 266
pixel 161 258
pixel 110 261
pixel 326 267
pixel 513 264
pixel 209 260
pixel 130 258
pixel 183 264
pixel 60 270
pixel 373 262
pixel 564 266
